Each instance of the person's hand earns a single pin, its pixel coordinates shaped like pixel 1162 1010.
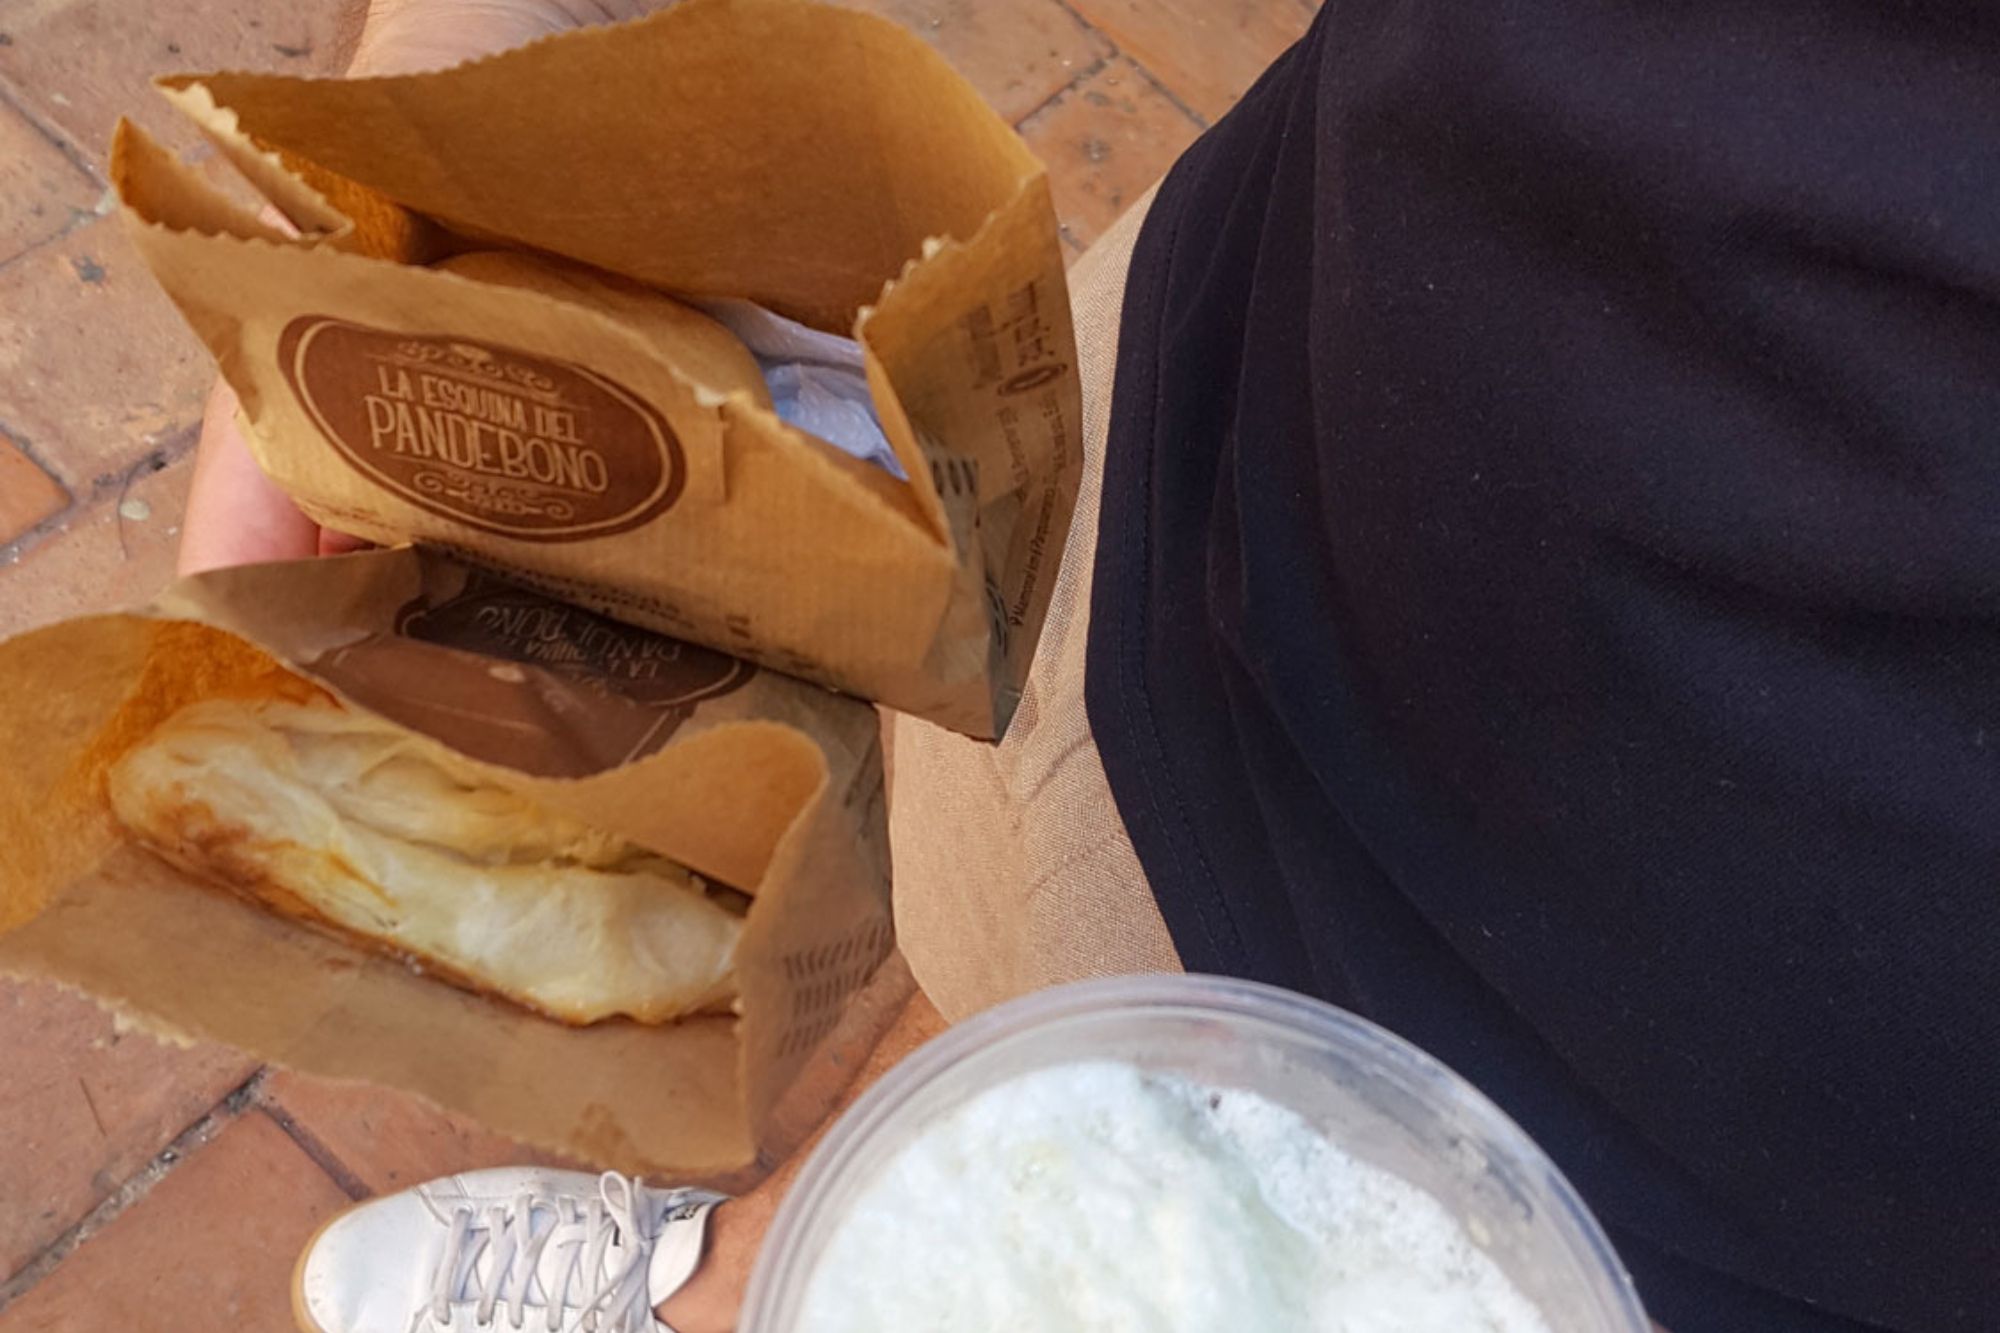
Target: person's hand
pixel 235 515
pixel 405 36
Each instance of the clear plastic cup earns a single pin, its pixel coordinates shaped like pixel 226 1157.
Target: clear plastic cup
pixel 1373 1094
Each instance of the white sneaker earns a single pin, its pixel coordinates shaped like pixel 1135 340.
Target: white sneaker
pixel 551 1251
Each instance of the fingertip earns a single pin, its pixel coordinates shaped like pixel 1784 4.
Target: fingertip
pixel 340 543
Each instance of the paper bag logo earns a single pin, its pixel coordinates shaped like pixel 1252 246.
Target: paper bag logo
pixel 503 440
pixel 497 619
pixel 505 675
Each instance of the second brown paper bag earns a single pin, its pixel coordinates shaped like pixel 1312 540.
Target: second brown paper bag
pixel 822 163
pixel 752 779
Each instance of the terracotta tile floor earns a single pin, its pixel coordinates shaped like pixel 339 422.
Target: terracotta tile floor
pixel 144 1186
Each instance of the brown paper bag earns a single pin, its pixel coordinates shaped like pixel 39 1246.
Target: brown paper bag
pixel 751 778
pixel 824 163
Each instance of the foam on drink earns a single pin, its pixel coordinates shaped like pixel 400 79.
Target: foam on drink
pixel 1099 1198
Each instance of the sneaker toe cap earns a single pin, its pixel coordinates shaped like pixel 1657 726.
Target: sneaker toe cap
pixel 369 1270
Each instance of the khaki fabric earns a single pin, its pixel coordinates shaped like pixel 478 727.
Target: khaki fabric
pixel 1013 869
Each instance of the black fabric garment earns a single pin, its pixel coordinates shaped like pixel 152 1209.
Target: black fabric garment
pixel 1548 601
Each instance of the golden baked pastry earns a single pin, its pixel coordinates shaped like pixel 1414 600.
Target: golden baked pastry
pixel 334 817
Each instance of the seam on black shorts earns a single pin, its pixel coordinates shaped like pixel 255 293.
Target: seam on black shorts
pixel 1133 696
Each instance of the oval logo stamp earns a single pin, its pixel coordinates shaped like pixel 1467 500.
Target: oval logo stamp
pixel 503 674
pixel 495 618
pixel 499 439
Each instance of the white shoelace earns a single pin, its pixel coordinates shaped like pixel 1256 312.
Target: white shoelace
pixel 601 1234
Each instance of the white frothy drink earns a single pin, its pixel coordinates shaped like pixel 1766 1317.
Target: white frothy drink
pixel 1097 1198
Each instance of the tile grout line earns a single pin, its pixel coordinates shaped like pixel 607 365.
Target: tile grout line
pixel 79 218
pixel 1048 103
pixel 322 1156
pixel 170 448
pixel 1201 122
pixel 1091 71
pixel 165 449
pixel 190 1140
pixel 1069 8
pixel 30 452
pixel 1069 240
pixel 1098 66
pixel 20 445
pixel 60 141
